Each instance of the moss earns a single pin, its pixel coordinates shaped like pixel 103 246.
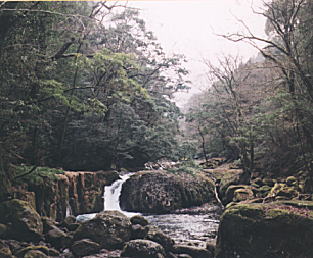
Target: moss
pixel 38 176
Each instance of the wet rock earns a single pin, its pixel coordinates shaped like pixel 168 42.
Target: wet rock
pixel 193 251
pixel 35 254
pixel 85 247
pixel 137 219
pixel 277 229
pixel 25 221
pixel 110 229
pixel 160 192
pixel 143 249
pixel 156 235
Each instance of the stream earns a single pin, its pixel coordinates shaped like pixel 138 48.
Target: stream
pixel 182 227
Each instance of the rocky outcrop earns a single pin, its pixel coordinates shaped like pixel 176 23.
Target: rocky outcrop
pixel 225 177
pixel 161 192
pixel 22 220
pixel 75 192
pixel 110 229
pixel 277 229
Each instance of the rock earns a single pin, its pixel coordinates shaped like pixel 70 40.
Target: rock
pixel 5 251
pixel 139 232
pixel 193 251
pixel 263 191
pixel 156 235
pixel 3 230
pixel 137 219
pixel 268 181
pixel 69 220
pixel 48 224
pixel 277 229
pixel 58 238
pixel 282 191
pixel 25 221
pixel 110 229
pixel 143 249
pixel 35 254
pixel 225 177
pixel 291 181
pixel 160 192
pixel 243 194
pixel 85 247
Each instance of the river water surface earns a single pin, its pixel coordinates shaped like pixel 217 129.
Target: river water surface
pixel 183 227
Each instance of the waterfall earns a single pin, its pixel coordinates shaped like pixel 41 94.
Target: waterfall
pixel 112 194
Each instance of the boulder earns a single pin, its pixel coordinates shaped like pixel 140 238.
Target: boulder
pixel 143 249
pixel 193 251
pixel 25 221
pixel 277 229
pixel 110 229
pixel 137 219
pixel 3 230
pixel 283 191
pixel 156 235
pixel 85 247
pixel 159 192
pixel 58 238
pixel 139 232
pixel 243 194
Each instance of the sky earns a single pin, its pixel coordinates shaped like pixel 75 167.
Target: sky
pixel 190 27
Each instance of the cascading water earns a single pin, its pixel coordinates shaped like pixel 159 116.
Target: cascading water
pixel 181 227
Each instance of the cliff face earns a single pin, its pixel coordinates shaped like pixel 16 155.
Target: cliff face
pixel 71 192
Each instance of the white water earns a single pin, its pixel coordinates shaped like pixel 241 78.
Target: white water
pixel 111 199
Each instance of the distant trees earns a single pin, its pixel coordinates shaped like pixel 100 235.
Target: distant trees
pixel 264 107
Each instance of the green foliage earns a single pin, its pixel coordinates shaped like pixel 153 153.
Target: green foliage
pixel 186 166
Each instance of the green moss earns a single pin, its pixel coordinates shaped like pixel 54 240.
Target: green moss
pixel 38 176
pixel 246 210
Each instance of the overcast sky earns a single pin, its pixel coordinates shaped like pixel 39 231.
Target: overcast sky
pixel 189 27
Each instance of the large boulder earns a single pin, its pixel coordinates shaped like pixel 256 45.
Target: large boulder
pixel 278 229
pixel 143 249
pixel 24 220
pixel 85 247
pixel 110 229
pixel 160 192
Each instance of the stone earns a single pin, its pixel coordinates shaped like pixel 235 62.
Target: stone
pixel 110 229
pixel 156 235
pixel 159 192
pixel 284 192
pixel 139 232
pixel 85 247
pixel 137 219
pixel 276 229
pixel 291 181
pixel 44 249
pixel 5 251
pixel 143 249
pixel 243 195
pixel 25 221
pixel 48 224
pixel 58 238
pixel 35 254
pixel 193 251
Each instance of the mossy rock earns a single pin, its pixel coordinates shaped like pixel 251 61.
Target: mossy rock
pixel 283 191
pixel 277 229
pixel 243 194
pixel 5 251
pixel 268 181
pixel 26 222
pixel 143 248
pixel 291 181
pixel 35 254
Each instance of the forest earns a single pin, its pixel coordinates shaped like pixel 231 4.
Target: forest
pixel 85 86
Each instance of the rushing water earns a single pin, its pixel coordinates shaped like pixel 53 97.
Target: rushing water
pixel 181 227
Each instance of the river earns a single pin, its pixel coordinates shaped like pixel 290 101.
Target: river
pixel 183 227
